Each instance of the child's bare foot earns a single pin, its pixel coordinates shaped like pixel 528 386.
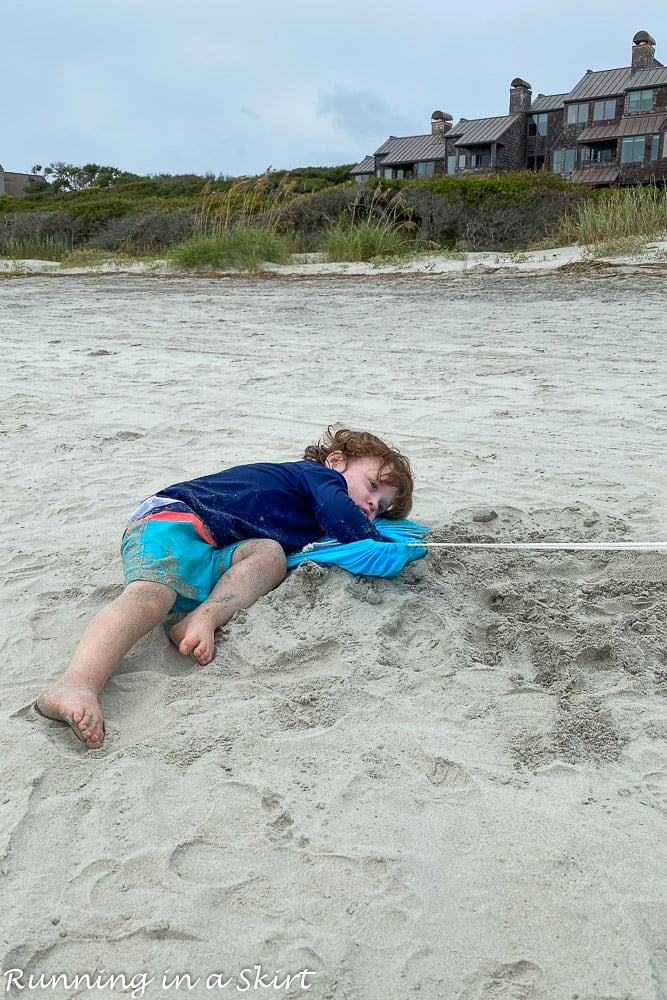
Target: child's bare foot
pixel 195 636
pixel 79 708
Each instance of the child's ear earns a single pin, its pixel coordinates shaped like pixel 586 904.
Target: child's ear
pixel 336 460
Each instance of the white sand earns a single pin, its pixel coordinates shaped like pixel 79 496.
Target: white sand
pixel 449 785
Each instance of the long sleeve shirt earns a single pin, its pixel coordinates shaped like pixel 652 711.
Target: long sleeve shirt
pixel 294 503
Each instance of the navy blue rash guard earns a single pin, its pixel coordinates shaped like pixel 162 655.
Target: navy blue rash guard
pixel 294 503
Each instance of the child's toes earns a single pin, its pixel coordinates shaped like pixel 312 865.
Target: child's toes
pixel 200 654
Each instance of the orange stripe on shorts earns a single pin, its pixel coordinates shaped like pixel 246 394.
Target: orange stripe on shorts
pixel 178 515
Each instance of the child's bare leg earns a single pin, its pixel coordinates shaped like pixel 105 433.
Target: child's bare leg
pixel 258 566
pixel 110 635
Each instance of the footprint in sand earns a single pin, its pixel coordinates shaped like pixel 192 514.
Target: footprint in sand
pixel 655 783
pixel 279 822
pixel 446 775
pixel 520 980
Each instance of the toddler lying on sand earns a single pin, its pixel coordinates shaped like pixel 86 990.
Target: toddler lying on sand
pixel 213 545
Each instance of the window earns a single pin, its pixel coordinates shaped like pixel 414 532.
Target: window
pixel 536 162
pixel 604 110
pixel 602 153
pixel 577 113
pixel 462 161
pixel 403 173
pixel 632 149
pixel 537 125
pixel 480 159
pixel 387 173
pixel 563 161
pixel 426 169
pixel 654 146
pixel 640 100
pixel 451 164
pixel 664 146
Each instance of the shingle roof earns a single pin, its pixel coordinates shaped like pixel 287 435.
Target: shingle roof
pixel 633 125
pixel 595 175
pixel 367 166
pixel 410 148
pixel 547 102
pixel 483 130
pixel 648 78
pixel 605 83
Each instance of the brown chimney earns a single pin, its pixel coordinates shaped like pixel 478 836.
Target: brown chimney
pixel 643 52
pixel 440 123
pixel 521 96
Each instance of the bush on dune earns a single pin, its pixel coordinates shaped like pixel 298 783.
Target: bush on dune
pixel 243 248
pixel 148 233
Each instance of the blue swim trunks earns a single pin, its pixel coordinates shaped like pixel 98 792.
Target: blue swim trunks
pixel 173 547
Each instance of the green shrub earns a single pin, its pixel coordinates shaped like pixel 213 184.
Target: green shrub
pixel 242 249
pixel 509 186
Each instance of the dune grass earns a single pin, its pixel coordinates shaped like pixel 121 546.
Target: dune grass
pixel 370 231
pixel 367 239
pixel 618 221
pixel 36 246
pixel 236 229
pixel 244 248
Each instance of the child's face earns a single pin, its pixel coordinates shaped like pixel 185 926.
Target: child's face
pixel 363 484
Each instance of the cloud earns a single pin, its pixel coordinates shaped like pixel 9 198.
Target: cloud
pixel 361 113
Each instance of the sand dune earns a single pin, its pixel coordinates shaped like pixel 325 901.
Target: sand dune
pixel 448 785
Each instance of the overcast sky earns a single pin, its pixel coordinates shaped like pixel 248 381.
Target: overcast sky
pixel 234 86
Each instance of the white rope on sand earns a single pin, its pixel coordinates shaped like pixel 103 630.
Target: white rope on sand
pixel 562 546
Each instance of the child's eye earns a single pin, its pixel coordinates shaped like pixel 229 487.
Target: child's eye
pixel 373 484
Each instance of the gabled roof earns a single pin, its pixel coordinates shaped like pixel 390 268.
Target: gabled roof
pixel 632 125
pixel 367 166
pixel 547 102
pixel 479 131
pixel 605 83
pixel 648 78
pixel 410 149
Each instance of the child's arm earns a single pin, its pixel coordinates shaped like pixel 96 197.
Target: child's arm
pixel 338 515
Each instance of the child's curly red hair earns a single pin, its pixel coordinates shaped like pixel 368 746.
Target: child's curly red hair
pixel 395 470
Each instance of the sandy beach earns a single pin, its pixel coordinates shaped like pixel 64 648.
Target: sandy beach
pixel 448 785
